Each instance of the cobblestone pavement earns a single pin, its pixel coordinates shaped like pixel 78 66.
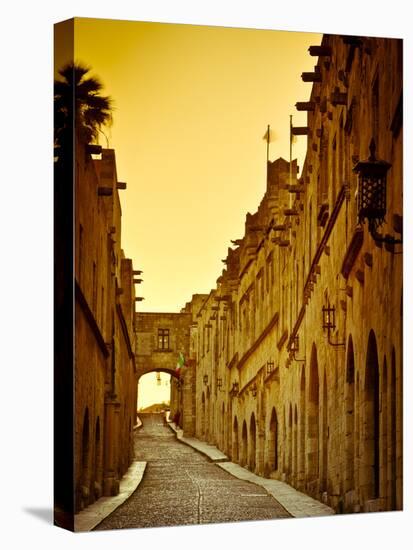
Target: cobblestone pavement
pixel 182 487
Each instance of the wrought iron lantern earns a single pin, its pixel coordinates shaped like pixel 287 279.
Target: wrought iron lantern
pixel 294 348
pixel 329 323
pixel 270 367
pixel 371 193
pixel 219 383
pixel 205 379
pixel 235 388
pixel 254 390
pixel 329 317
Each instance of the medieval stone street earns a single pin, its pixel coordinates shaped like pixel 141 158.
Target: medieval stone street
pixel 181 487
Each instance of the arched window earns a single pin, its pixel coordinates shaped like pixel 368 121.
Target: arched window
pixel 371 454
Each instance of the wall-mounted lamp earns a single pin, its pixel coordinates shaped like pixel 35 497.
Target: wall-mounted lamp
pixel 219 384
pixel 235 389
pixel 253 390
pixel 329 323
pixel 205 379
pixel 371 194
pixel 294 348
pixel 270 366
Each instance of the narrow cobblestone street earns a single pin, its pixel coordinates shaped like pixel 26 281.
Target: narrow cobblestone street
pixel 181 487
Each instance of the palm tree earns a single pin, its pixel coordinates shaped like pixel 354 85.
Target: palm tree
pixel 77 100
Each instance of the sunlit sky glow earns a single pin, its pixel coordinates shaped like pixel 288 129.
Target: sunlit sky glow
pixel 192 104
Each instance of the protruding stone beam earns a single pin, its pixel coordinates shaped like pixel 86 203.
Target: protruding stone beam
pixel 137 272
pixel 290 212
pixel 320 51
pixel 300 131
pixel 139 299
pixel 311 77
pixel 105 191
pixel 137 281
pixel 93 149
pixel 305 105
pixel 121 185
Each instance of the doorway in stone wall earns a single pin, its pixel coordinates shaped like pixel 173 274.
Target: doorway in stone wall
pixel 235 448
pixel 244 447
pixel 371 440
pixel 273 442
pixel 253 442
pixel 313 424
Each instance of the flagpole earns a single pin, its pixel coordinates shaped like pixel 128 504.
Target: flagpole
pixel 291 149
pixel 291 153
pixel 268 148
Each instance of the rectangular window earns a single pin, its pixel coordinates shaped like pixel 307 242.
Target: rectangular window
pixel 163 338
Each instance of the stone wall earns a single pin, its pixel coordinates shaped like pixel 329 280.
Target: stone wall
pixel 274 389
pixel 105 372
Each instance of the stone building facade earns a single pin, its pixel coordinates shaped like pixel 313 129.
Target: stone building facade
pixel 160 339
pixel 105 371
pixel 299 347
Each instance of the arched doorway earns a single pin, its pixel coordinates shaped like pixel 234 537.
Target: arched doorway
pixel 235 448
pixel 295 445
pixel 273 442
pixel 223 427
pixel 324 441
pixel 207 419
pixel 85 475
pixel 289 443
pixel 158 390
pixel 202 427
pixel 349 397
pixel 370 482
pixel 244 448
pixel 98 462
pixel 384 417
pixel 302 415
pixel 393 435
pixel 253 441
pixel 313 424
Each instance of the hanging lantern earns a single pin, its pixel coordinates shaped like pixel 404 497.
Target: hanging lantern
pixel 371 193
pixel 158 378
pixel 329 322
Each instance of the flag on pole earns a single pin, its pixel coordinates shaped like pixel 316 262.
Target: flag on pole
pixel 180 363
pixel 293 138
pixel 270 136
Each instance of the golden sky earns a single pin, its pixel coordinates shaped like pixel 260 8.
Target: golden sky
pixel 192 104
